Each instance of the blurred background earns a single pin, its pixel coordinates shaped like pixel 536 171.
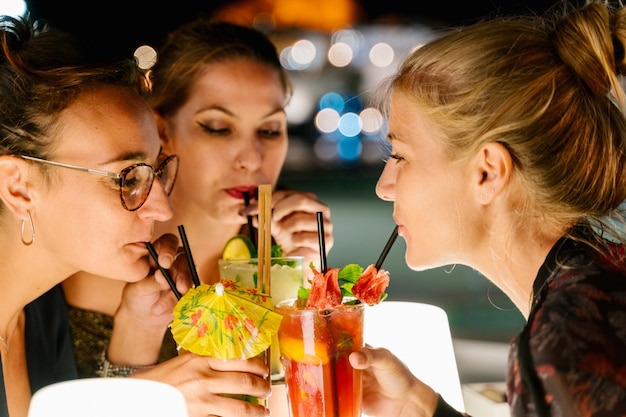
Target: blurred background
pixel 337 52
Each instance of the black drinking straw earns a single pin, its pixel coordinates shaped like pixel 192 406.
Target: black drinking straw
pixel 246 201
pixel 322 240
pixel 164 271
pixel 387 248
pixel 192 264
pixel 327 313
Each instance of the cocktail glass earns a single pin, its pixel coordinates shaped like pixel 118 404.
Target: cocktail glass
pixel 314 347
pixel 287 276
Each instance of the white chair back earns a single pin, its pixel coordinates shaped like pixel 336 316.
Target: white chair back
pixel 418 334
pixel 108 397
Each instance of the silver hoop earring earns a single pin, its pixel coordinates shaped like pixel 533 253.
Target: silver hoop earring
pixel 32 230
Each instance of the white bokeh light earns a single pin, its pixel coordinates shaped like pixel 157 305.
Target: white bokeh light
pixel 327 120
pixel 303 52
pixel 300 109
pixel 146 56
pixel 12 7
pixel 351 37
pixel 381 55
pixel 372 120
pixel 340 54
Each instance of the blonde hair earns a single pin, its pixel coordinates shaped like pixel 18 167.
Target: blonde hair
pixel 545 88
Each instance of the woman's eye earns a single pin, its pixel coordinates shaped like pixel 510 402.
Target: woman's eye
pixel 269 133
pixel 395 156
pixel 214 130
pixel 129 182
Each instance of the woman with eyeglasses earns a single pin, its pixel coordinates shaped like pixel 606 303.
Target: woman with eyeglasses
pixel 219 94
pixel 82 184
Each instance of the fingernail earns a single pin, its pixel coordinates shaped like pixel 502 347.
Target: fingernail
pixel 167 261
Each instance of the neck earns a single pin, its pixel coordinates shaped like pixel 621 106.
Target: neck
pixel 26 272
pixel 512 263
pixel 5 337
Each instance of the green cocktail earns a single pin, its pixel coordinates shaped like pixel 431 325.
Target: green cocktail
pixel 287 276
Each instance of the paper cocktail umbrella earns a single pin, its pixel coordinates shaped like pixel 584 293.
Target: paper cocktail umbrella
pixel 224 321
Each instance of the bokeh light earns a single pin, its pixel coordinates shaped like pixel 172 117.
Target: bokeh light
pixel 12 7
pixel 372 121
pixel 350 125
pixel 327 120
pixel 340 54
pixel 333 101
pixel 381 55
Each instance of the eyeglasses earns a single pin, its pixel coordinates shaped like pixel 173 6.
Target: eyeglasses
pixel 135 181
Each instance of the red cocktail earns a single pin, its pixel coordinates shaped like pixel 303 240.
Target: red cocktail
pixel 314 347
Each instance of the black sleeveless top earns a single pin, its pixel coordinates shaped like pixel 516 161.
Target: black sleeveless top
pixel 49 353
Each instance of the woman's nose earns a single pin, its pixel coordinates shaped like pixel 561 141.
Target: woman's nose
pixel 385 187
pixel 250 157
pixel 157 204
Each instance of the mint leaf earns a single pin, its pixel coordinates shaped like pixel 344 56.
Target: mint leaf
pixel 277 251
pixel 303 293
pixel 346 289
pixel 350 273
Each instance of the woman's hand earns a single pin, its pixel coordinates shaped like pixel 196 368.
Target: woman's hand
pixel 294 223
pixel 202 379
pixel 152 298
pixel 389 388
pixel 147 308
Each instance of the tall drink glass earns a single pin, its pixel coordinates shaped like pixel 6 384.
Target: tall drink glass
pixel 287 276
pixel 314 347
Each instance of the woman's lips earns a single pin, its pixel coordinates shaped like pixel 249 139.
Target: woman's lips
pixel 139 246
pixel 238 192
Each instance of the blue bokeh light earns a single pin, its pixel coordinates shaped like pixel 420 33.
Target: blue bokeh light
pixel 333 101
pixel 350 124
pixel 349 148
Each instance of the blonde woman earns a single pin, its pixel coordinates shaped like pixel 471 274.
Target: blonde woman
pixel 509 156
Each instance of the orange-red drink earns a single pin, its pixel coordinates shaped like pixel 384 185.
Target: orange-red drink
pixel 314 347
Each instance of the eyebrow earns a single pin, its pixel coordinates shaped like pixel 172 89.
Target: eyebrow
pixel 130 157
pixel 231 114
pixel 278 110
pixel 393 138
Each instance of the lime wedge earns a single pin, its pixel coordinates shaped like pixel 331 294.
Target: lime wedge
pixel 239 247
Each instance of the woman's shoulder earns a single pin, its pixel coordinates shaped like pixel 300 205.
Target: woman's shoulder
pixel 582 309
pixel 578 331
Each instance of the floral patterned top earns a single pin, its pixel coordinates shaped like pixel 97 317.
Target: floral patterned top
pixel 570 358
pixel 572 351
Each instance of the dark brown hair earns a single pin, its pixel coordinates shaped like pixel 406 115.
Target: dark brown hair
pixel 191 47
pixel 41 72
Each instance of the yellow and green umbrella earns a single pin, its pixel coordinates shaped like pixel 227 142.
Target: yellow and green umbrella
pixel 225 321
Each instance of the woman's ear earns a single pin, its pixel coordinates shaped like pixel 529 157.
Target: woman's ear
pixel 163 128
pixel 492 171
pixel 15 190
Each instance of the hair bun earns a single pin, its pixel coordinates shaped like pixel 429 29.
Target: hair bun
pixel 584 41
